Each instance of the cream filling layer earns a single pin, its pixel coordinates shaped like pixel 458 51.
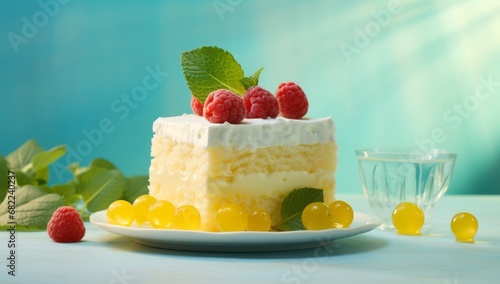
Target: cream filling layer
pixel 258 184
pixel 248 185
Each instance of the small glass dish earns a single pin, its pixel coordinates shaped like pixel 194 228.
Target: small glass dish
pixel 391 175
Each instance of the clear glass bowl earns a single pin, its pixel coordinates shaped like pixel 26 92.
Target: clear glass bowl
pixel 391 175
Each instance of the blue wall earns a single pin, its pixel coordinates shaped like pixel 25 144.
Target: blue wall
pixel 388 72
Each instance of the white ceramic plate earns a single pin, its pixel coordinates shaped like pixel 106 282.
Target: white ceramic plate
pixel 236 241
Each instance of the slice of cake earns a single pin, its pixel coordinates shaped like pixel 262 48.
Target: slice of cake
pixel 255 164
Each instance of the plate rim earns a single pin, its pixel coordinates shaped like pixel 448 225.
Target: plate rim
pixel 242 241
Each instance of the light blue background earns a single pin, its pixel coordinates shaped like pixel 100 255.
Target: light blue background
pixel 409 78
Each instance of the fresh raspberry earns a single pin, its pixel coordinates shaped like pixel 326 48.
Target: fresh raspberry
pixel 196 106
pixel 224 106
pixel 292 100
pixel 260 103
pixel 66 225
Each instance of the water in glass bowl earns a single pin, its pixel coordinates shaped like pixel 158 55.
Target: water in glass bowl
pixel 391 176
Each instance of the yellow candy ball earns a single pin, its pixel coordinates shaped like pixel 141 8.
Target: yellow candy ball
pixel 342 214
pixel 230 218
pixel 316 216
pixel 408 218
pixel 141 208
pixel 161 214
pixel 186 217
pixel 464 226
pixel 120 212
pixel 258 220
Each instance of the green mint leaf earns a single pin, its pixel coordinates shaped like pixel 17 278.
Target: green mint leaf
pixel 66 191
pixel 73 167
pixel 102 163
pixel 22 156
pixel 135 187
pixel 99 187
pixel 77 170
pixel 294 204
pixel 43 159
pixel 210 68
pixel 4 183
pixel 96 163
pixel 25 178
pixel 34 207
pixel 41 162
pixel 31 162
pixel 41 176
pixel 252 80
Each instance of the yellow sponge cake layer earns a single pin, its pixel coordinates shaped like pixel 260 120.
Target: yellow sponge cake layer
pixel 227 162
pixel 220 172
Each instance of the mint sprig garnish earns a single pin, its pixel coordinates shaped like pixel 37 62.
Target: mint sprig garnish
pixel 92 188
pixel 252 80
pixel 210 68
pixel 294 204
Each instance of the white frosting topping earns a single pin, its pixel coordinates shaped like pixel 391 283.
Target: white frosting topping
pixel 251 133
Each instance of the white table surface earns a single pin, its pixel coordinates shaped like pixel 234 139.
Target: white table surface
pixel 373 257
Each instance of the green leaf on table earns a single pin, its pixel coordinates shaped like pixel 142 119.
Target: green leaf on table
pixel 45 158
pixel 77 170
pixel 22 156
pixel 33 208
pixel 42 176
pixel 31 162
pixel 4 172
pixel 136 186
pixel 102 163
pixel 210 68
pixel 96 163
pixel 252 80
pixel 25 178
pixel 94 187
pixel 294 204
pixel 99 187
pixel 73 167
pixel 66 191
